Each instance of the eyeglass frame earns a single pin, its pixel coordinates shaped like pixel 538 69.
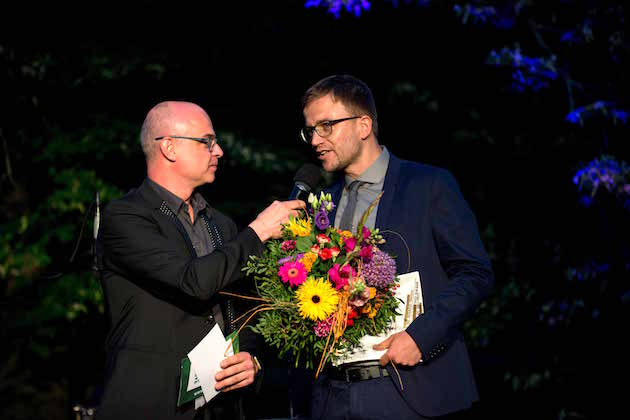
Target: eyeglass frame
pixel 209 142
pixel 330 124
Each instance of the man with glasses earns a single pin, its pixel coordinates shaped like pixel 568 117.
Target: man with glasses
pixel 430 228
pixel 164 254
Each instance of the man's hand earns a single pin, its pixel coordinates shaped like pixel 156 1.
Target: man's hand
pixel 268 224
pixel 402 350
pixel 238 371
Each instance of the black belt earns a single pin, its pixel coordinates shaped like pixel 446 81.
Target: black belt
pixel 357 372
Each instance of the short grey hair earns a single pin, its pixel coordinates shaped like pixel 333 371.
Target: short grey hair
pixel 155 124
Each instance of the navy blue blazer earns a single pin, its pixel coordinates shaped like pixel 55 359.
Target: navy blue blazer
pixel 423 204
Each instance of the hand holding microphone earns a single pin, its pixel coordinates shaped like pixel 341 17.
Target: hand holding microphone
pixel 268 224
pixel 306 179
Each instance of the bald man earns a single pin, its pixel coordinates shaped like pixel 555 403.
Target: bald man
pixel 164 254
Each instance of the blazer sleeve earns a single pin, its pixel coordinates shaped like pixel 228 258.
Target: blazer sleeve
pixel 463 259
pixel 135 245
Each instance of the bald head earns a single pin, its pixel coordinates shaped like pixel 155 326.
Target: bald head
pixel 164 119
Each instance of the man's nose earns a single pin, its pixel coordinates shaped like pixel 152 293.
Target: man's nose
pixel 316 139
pixel 216 150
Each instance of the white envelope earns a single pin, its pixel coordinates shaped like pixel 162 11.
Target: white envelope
pixel 205 361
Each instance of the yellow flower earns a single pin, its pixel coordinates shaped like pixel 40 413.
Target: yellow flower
pixel 299 227
pixel 345 233
pixel 308 260
pixel 317 299
pixel 371 310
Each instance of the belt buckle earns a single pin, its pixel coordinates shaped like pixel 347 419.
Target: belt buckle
pixel 362 373
pixel 353 374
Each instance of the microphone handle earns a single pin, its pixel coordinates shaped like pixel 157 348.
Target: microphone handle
pixel 299 192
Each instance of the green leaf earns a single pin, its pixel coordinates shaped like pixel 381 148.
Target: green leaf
pixel 303 244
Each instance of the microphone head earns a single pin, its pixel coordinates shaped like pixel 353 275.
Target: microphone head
pixel 308 176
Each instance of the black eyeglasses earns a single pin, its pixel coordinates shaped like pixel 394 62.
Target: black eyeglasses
pixel 323 129
pixel 209 141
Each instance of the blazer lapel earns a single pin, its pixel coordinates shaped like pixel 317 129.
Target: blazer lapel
pixel 388 198
pixel 158 204
pixel 215 234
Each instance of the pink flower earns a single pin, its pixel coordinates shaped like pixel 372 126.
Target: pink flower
pixel 333 275
pixel 366 253
pixel 293 273
pixel 322 239
pixel 366 233
pixel 340 277
pixel 349 243
pixel 347 272
pixel 322 328
pixel 288 245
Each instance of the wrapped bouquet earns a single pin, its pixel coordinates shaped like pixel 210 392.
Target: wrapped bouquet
pixel 322 289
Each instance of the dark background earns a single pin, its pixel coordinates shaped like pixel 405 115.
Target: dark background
pixel 78 79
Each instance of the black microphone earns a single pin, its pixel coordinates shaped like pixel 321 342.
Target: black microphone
pixel 306 179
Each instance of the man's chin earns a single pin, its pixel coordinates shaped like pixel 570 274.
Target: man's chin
pixel 330 166
pixel 209 179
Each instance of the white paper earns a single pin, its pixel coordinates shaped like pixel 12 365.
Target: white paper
pixel 409 289
pixel 193 379
pixel 205 361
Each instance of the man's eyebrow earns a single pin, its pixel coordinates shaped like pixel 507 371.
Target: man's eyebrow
pixel 321 121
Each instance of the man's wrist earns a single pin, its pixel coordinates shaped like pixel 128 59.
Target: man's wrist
pixel 259 229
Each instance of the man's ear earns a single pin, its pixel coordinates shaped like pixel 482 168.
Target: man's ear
pixel 365 126
pixel 167 148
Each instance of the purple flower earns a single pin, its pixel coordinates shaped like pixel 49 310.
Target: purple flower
pixel 380 271
pixel 605 172
pixel 321 220
pixel 284 260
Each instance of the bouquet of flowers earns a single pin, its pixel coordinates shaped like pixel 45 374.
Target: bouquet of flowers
pixel 322 289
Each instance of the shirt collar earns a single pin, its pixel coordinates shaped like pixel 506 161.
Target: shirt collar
pixel 375 173
pixel 175 203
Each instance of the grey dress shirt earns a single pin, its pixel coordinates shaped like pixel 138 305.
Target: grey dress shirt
pixel 374 179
